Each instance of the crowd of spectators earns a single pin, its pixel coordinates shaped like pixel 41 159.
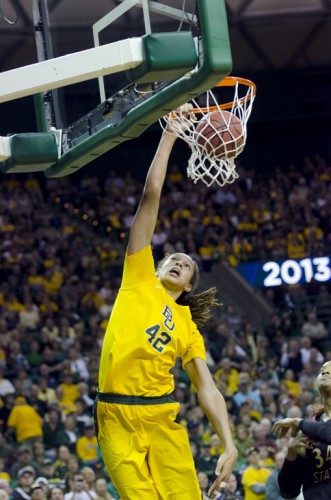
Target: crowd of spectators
pixel 62 246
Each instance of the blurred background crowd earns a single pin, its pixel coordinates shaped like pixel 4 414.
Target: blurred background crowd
pixel 62 247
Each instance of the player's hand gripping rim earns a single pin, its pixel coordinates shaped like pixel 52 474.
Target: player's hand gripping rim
pixel 181 119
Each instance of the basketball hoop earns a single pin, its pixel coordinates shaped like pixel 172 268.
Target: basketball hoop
pixel 214 147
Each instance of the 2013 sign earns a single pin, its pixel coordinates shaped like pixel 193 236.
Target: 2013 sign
pixel 291 272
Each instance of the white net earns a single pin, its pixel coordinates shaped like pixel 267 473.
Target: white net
pixel 219 136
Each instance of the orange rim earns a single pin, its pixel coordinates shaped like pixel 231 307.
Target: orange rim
pixel 228 81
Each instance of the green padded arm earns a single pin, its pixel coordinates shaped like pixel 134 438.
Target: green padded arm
pixel 31 152
pixel 162 58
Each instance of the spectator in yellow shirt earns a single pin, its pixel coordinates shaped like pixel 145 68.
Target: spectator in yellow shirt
pixel 291 383
pixel 25 423
pixel 296 246
pixel 229 374
pixel 216 447
pixel 87 446
pixel 12 303
pixel 254 477
pixel 92 300
pixel 3 473
pixel 70 390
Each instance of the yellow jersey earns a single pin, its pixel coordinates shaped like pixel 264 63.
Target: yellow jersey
pixel 146 333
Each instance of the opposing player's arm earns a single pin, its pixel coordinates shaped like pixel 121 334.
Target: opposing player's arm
pixel 282 427
pixel 290 478
pixel 144 222
pixel 214 407
pixel 320 431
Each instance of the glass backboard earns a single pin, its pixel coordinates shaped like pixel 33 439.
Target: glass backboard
pixel 79 25
pixel 109 69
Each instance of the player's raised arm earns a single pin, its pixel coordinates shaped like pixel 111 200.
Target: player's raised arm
pixel 144 222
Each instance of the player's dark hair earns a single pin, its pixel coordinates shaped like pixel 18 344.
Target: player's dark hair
pixel 199 303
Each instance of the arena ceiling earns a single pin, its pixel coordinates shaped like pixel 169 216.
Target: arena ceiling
pixel 265 34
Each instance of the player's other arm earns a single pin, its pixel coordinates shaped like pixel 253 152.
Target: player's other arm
pixel 290 478
pixel 214 407
pixel 144 222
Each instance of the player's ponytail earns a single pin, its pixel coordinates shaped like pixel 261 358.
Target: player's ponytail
pixel 199 304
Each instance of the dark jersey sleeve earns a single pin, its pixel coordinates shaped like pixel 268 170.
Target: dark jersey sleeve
pixel 320 431
pixel 290 478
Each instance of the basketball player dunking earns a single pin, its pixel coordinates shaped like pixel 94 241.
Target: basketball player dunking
pixel 153 322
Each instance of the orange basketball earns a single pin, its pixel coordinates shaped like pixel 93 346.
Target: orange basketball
pixel 220 134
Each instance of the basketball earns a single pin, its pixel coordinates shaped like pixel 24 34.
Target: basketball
pixel 220 133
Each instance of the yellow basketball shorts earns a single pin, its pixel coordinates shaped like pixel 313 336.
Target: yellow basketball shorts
pixel 146 453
